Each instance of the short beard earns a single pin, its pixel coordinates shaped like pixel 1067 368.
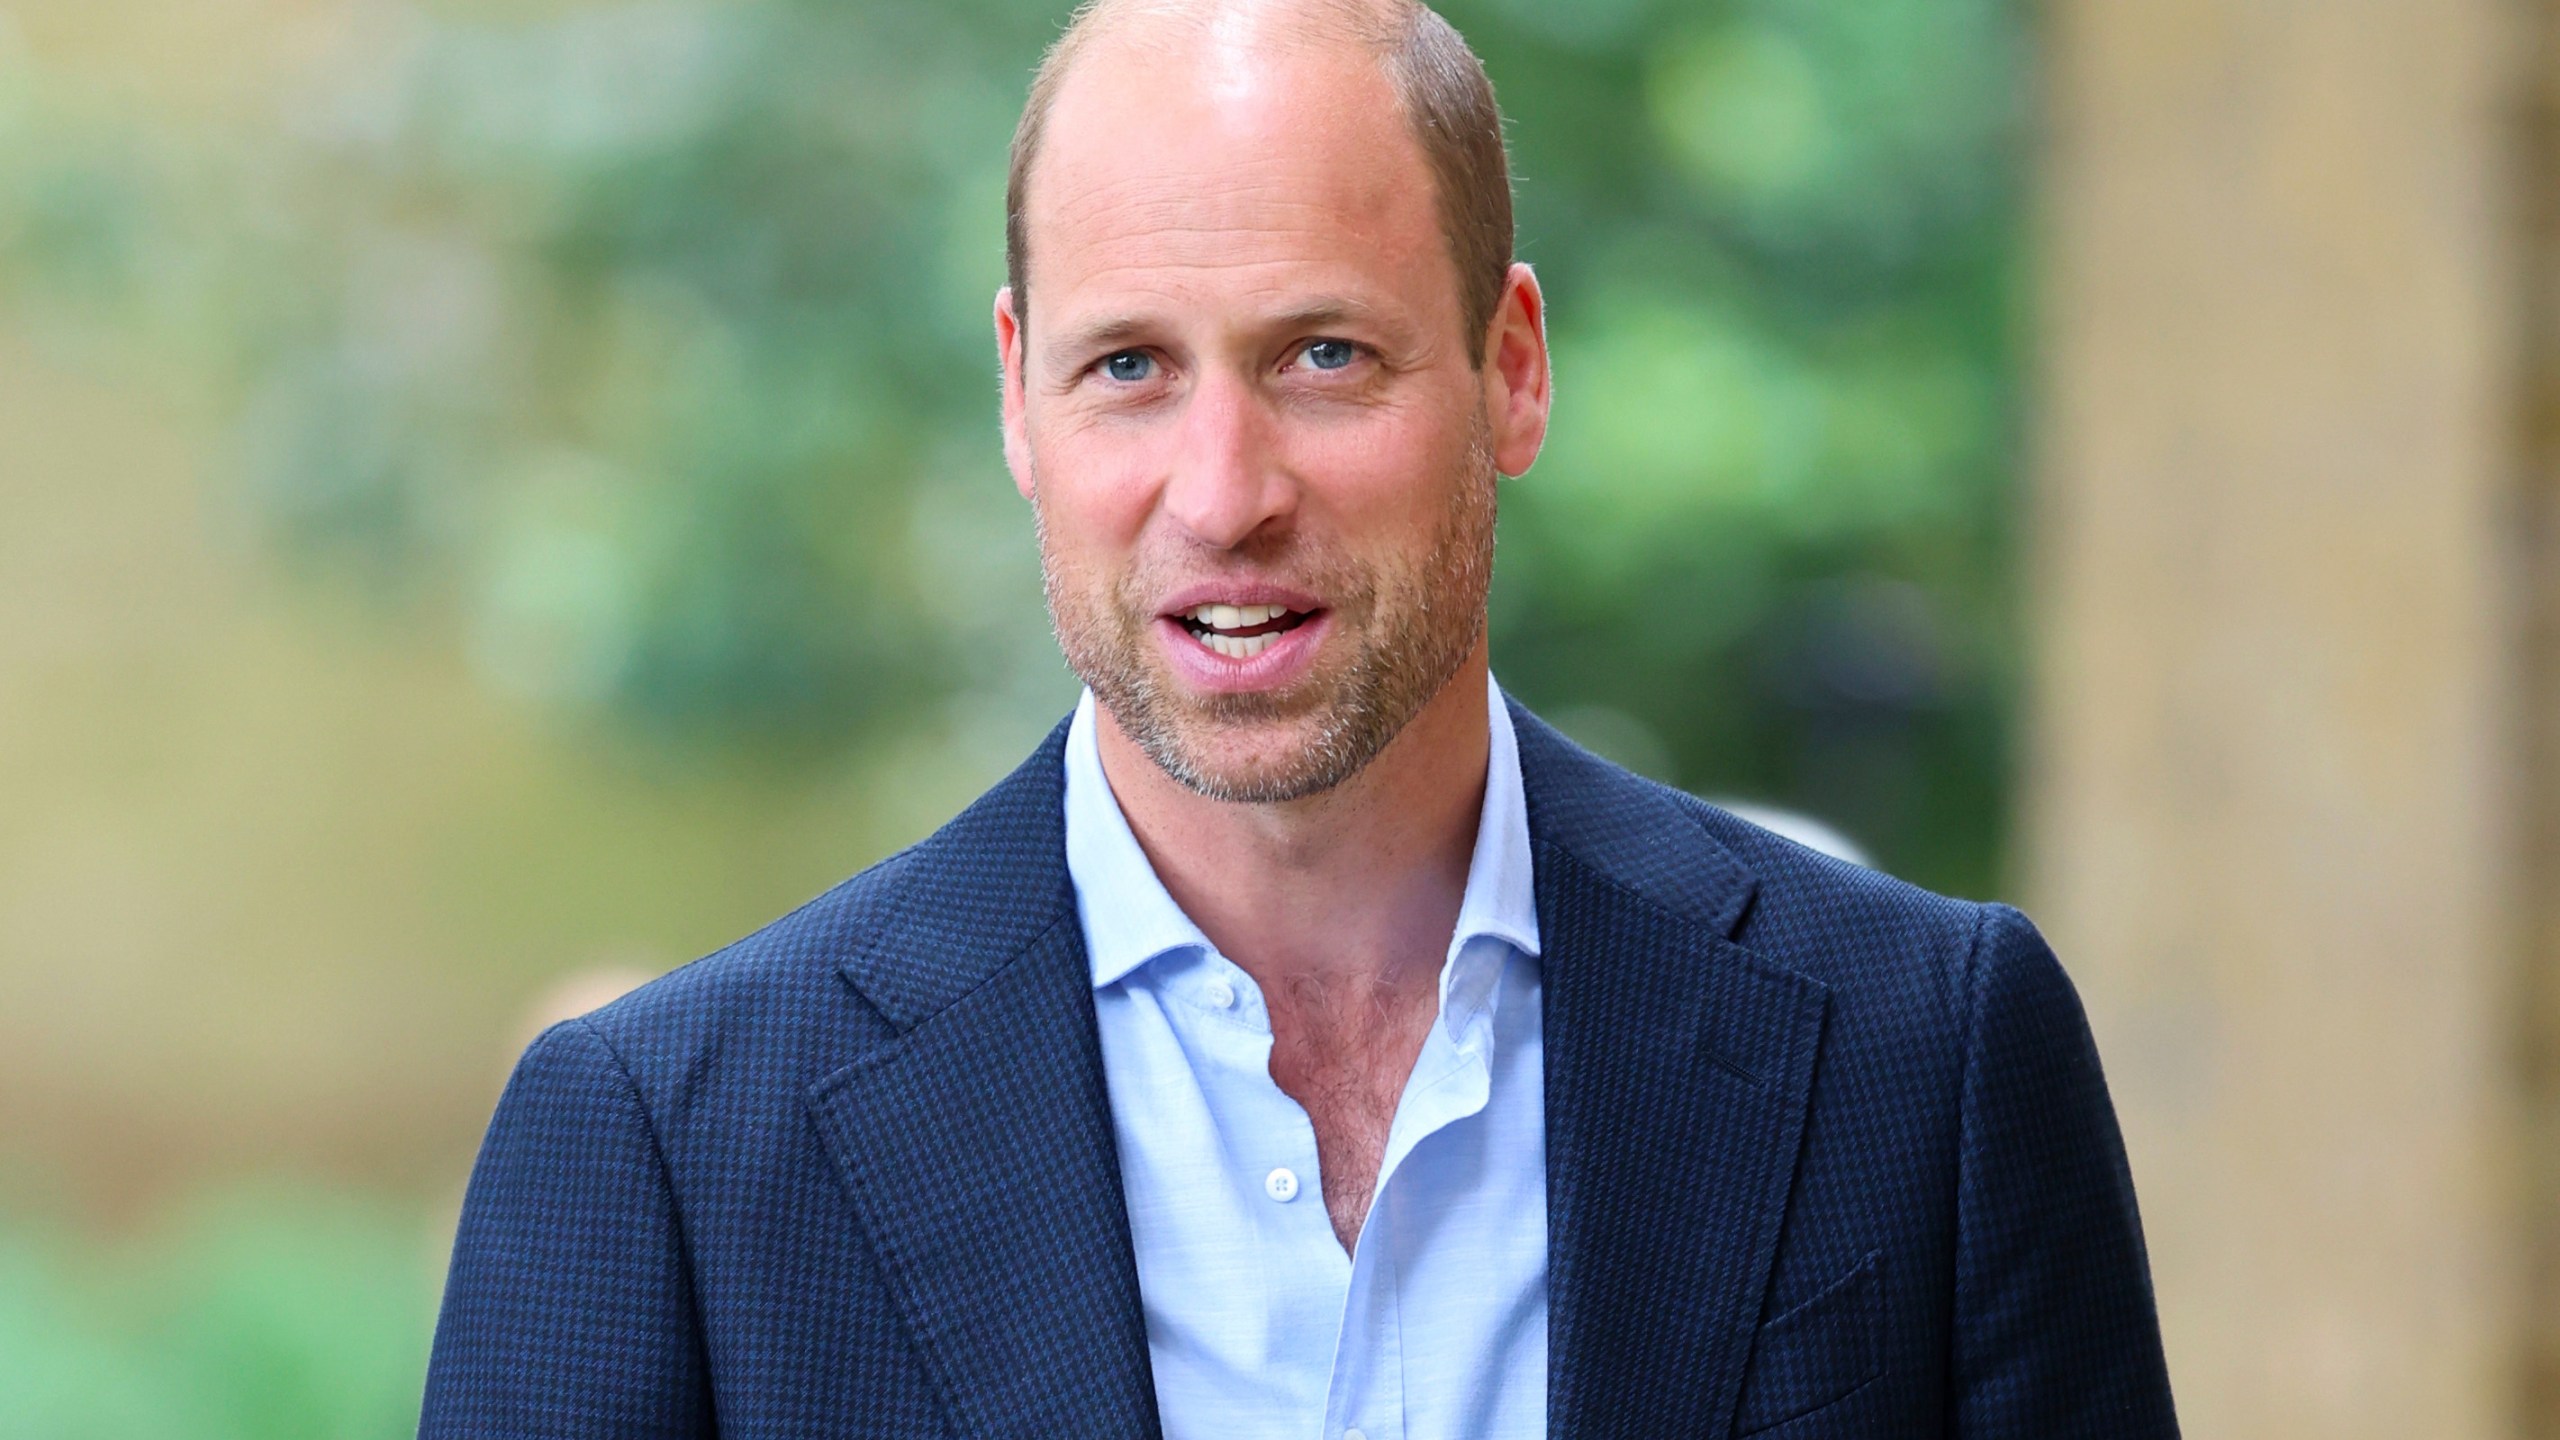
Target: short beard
pixel 1417 629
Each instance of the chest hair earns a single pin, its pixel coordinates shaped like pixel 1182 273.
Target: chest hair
pixel 1343 1047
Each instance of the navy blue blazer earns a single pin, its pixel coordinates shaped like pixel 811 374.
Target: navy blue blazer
pixel 1827 1156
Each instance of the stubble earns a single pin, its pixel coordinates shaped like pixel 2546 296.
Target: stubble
pixel 1413 626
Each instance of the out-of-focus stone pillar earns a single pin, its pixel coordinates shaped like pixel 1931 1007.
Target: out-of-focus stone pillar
pixel 2537 561
pixel 2281 783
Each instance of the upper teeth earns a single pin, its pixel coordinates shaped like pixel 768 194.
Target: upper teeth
pixel 1236 617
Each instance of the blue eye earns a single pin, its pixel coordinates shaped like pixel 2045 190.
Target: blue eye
pixel 1330 354
pixel 1129 366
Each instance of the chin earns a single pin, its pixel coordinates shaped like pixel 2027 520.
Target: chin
pixel 1250 761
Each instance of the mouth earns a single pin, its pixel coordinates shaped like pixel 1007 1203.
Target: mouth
pixel 1240 632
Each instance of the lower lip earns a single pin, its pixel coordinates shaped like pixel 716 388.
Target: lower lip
pixel 1289 655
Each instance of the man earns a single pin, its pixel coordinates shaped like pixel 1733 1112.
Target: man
pixel 1305 1042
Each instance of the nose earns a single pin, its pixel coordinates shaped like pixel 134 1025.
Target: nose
pixel 1227 483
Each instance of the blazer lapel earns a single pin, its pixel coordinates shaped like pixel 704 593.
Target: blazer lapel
pixel 976 1147
pixel 1679 1066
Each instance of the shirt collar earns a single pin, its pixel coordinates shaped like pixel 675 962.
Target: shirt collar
pixel 1129 918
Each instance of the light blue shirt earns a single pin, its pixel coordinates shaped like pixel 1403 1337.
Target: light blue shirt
pixel 1258 1325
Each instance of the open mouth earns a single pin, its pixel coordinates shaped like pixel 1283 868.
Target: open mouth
pixel 1240 632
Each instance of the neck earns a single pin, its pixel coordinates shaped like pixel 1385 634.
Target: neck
pixel 1361 882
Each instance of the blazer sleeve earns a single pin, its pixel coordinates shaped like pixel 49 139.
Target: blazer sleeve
pixel 2056 1335
pixel 568 1310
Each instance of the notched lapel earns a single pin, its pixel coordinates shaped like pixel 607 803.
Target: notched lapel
pixel 1679 1067
pixel 978 1155
pixel 1678 1070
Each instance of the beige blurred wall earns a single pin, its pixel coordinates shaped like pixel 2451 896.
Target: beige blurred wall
pixel 282 882
pixel 2280 799
pixel 280 879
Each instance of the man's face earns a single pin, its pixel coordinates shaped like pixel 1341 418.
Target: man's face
pixel 1262 462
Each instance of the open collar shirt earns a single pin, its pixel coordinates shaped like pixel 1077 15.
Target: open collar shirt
pixel 1259 1325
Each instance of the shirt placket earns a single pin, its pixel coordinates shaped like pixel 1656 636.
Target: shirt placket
pixel 1365 1399
pixel 1271 1150
pixel 1365 1393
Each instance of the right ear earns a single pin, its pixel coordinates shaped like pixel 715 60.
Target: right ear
pixel 1017 446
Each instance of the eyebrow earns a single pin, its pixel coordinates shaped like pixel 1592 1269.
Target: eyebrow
pixel 1112 331
pixel 1104 334
pixel 1326 310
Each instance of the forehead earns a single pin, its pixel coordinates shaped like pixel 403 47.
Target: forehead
pixel 1224 168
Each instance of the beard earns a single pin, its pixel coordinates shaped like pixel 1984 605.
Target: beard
pixel 1402 628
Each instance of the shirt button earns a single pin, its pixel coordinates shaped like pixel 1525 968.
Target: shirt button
pixel 1282 1185
pixel 1221 994
pixel 1354 1434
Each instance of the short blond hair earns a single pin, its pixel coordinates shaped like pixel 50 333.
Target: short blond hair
pixel 1447 100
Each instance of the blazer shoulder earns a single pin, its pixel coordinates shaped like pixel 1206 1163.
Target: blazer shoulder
pixel 1827 919
pixel 752 994
pixel 808 992
pixel 1799 885
pixel 1858 930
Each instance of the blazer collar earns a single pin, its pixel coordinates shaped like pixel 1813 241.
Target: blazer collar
pixel 969 899
pixel 1628 830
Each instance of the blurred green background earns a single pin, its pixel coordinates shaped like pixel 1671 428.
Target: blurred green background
pixel 505 491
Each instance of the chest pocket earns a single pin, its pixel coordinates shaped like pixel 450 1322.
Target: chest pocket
pixel 1817 1352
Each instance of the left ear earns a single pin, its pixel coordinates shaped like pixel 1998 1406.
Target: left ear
pixel 1517 385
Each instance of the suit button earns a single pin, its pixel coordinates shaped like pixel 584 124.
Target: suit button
pixel 1282 1185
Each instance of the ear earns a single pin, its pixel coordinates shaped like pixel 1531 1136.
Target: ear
pixel 1017 445
pixel 1517 385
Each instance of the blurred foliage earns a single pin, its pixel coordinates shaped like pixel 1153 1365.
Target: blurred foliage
pixel 642 345
pixel 265 1314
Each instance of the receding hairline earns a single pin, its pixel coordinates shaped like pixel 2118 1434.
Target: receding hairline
pixel 1439 84
pixel 1378 25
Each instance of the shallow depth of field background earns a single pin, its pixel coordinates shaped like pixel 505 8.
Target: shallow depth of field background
pixel 500 497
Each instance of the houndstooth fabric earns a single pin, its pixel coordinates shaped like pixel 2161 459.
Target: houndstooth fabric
pixel 1828 1156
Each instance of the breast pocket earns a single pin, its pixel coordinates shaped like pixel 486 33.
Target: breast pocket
pixel 1816 1353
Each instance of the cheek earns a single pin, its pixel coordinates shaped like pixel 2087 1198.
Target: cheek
pixel 1091 497
pixel 1380 480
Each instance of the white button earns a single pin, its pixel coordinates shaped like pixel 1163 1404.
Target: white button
pixel 1354 1434
pixel 1221 994
pixel 1282 1185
